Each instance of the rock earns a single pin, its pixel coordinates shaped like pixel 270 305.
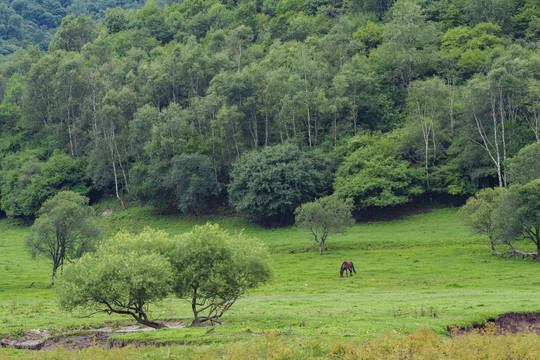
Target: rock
pixel 107 212
pixel 30 345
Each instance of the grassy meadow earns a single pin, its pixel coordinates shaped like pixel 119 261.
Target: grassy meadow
pixel 415 278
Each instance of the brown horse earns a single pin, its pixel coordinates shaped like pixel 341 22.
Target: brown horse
pixel 347 265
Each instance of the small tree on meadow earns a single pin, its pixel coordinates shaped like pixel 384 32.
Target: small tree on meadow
pixel 64 230
pixel 323 217
pixel 122 277
pixel 478 212
pixel 518 217
pixel 213 269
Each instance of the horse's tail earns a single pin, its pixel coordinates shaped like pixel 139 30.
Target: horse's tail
pixel 353 267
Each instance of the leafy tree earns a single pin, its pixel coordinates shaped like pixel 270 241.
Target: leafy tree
pixel 478 212
pixel 122 277
pixel 27 182
pixel 115 20
pixel 272 182
pixel 407 38
pixel 11 105
pixel 426 133
pixel 64 230
pixel 525 166
pixel 375 176
pixel 518 217
pixel 323 217
pixel 467 48
pixel 191 182
pixel 73 33
pixel 213 269
pixel 369 35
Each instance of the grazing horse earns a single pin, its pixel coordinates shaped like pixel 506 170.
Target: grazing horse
pixel 347 265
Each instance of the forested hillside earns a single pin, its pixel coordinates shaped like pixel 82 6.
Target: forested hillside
pixel 26 22
pixel 380 101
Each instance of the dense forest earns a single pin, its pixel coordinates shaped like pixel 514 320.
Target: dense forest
pixel 24 22
pixel 383 102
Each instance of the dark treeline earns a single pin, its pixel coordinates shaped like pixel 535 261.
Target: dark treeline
pixel 390 101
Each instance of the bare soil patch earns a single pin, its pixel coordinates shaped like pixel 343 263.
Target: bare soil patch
pixel 509 323
pixel 43 339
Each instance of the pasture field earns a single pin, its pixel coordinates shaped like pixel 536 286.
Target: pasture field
pixel 416 277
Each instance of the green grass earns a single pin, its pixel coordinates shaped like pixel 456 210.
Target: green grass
pixel 423 270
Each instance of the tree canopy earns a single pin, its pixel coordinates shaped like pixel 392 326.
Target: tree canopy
pixel 124 276
pixel 272 182
pixel 64 230
pixel 213 269
pixel 323 217
pixel 518 216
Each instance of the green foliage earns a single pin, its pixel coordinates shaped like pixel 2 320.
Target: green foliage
pixel 115 20
pixel 272 182
pixel 374 175
pixel 191 182
pixel 122 277
pixel 128 94
pixel 518 215
pixel 323 217
pixel 369 35
pixel 478 212
pixel 64 230
pixel 525 166
pixel 468 48
pixel 73 34
pixel 27 182
pixel 213 269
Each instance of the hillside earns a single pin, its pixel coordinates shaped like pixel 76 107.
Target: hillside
pixel 390 102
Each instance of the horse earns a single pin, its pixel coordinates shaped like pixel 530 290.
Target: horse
pixel 347 265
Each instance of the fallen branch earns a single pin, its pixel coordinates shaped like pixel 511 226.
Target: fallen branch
pixel 516 253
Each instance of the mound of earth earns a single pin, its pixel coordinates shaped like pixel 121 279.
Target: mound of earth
pixel 509 323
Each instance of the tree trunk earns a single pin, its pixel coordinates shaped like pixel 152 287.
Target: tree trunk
pixel 152 324
pixel 537 248
pixel 321 248
pixel 196 321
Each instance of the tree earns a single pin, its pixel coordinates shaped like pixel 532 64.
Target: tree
pixel 407 38
pixel 272 182
pixel 374 175
pixel 518 217
pixel 191 182
pixel 525 166
pixel 64 230
pixel 122 277
pixel 323 217
pixel 27 182
pixel 213 269
pixel 73 33
pixel 478 212
pixel 426 113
